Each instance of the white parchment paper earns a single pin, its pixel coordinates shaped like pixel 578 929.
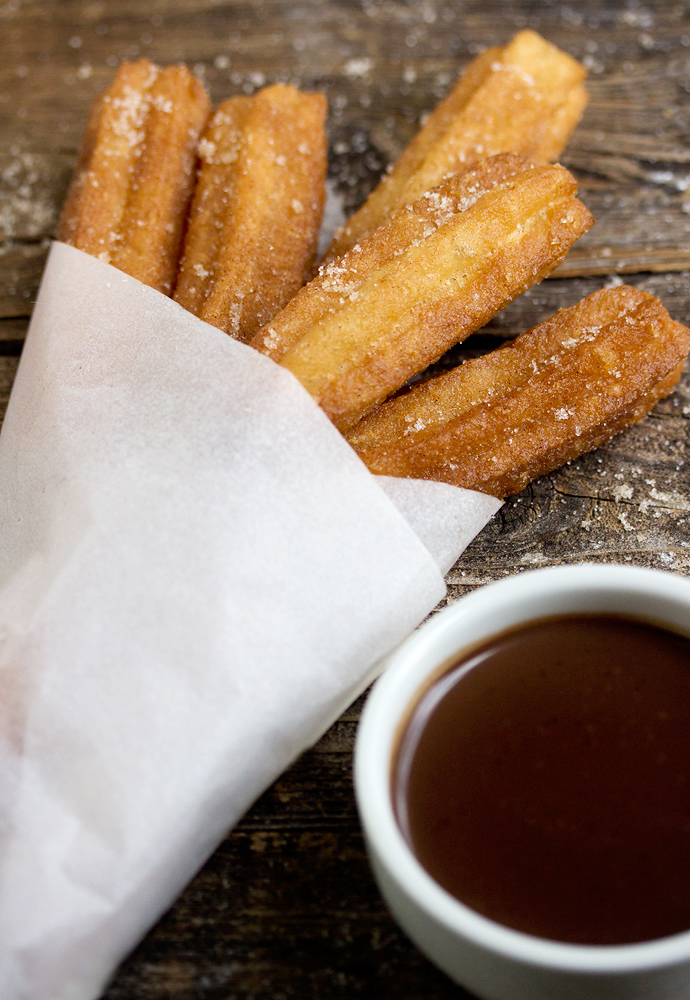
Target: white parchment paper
pixel 197 575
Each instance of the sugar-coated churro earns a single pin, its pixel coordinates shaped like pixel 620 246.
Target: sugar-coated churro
pixel 559 390
pixel 256 210
pixel 526 98
pixel 437 271
pixel 130 192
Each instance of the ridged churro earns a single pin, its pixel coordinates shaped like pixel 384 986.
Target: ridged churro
pixel 526 98
pixel 437 271
pixel 257 208
pixel 129 196
pixel 568 385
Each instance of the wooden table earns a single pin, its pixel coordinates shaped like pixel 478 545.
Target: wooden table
pixel 286 907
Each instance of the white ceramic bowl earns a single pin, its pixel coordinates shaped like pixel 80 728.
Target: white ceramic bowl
pixel 493 961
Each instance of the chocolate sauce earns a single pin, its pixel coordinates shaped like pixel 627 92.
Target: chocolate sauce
pixel 545 780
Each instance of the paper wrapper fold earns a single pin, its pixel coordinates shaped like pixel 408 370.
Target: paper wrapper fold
pixel 197 575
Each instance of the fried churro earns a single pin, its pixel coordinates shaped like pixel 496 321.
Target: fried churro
pixel 526 98
pixel 257 208
pixel 128 200
pixel 559 390
pixel 437 271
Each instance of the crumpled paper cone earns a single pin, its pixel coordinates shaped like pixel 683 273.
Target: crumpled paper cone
pixel 197 575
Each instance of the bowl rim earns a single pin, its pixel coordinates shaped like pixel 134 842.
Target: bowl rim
pixel 403 679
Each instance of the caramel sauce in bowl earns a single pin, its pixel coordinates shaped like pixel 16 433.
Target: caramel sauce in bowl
pixel 522 772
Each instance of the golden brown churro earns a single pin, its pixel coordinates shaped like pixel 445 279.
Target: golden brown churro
pixel 257 208
pixel 526 98
pixel 128 199
pixel 559 390
pixel 438 270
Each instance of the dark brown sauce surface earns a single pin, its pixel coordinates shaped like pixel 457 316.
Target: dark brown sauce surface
pixel 545 781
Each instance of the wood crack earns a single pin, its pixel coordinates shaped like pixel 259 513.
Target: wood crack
pixel 636 504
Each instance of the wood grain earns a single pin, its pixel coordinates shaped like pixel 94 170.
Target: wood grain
pixel 286 908
pixel 383 67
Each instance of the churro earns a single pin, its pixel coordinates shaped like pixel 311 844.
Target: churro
pixel 130 192
pixel 526 98
pixel 559 390
pixel 437 271
pixel 257 208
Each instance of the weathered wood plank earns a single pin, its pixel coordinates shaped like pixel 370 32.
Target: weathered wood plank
pixel 21 266
pixel 12 333
pixel 8 369
pixel 587 262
